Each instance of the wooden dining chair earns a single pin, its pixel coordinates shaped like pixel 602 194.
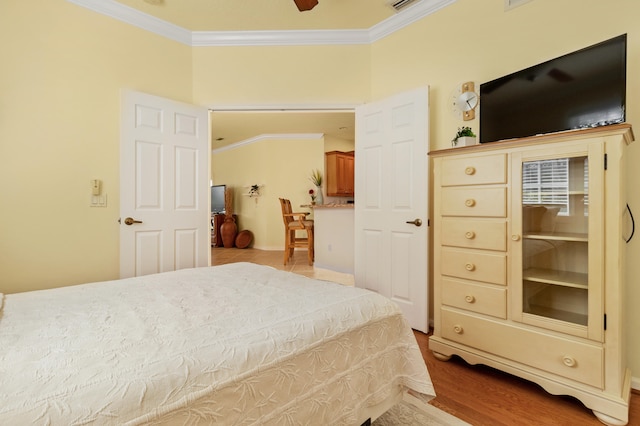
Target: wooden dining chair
pixel 294 222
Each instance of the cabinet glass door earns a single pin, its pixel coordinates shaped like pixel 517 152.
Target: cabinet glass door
pixel 555 239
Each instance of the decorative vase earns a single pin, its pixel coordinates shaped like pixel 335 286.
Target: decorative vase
pixel 319 199
pixel 465 141
pixel 228 232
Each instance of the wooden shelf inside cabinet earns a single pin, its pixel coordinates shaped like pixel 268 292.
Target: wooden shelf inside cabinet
pixel 557 236
pixel 558 314
pixel 561 278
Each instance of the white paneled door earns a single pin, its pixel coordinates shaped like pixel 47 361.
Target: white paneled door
pixel 391 200
pixel 164 185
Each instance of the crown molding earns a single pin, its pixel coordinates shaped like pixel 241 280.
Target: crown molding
pixel 406 17
pixel 157 26
pixel 138 19
pixel 268 136
pixel 280 38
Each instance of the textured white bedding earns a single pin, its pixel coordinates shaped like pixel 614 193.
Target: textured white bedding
pixel 234 344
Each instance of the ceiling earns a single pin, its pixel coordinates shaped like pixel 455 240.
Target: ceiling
pixel 261 15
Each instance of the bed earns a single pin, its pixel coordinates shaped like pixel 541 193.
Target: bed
pixel 234 344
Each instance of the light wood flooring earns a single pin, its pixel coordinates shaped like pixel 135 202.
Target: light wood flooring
pixel 477 394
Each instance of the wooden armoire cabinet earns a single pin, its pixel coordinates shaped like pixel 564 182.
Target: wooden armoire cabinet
pixel 339 168
pixel 529 255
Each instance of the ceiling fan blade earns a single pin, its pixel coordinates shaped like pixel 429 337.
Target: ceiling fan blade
pixel 305 4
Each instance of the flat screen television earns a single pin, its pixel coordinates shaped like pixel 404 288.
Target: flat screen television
pixel 582 89
pixel 217 199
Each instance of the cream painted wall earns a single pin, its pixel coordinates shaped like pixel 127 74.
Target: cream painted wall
pixel 337 144
pixel 284 167
pixel 479 41
pixel 257 214
pixel 441 51
pixel 59 122
pixel 63 68
pixel 281 75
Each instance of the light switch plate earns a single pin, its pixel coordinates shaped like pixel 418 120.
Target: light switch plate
pixel 98 200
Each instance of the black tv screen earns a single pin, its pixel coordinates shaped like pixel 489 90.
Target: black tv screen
pixel 582 89
pixel 217 199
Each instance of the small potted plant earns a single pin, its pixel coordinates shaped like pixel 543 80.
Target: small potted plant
pixel 254 191
pixel 464 137
pixel 316 179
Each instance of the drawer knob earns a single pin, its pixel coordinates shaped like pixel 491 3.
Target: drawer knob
pixel 515 237
pixel 470 171
pixel 470 202
pixel 469 298
pixel 569 361
pixel 470 267
pixel 469 235
pixel 458 329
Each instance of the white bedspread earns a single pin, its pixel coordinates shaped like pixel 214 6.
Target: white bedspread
pixel 234 344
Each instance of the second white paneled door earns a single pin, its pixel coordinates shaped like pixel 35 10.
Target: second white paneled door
pixel 391 200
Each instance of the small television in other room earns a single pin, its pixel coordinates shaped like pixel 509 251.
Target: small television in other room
pixel 217 199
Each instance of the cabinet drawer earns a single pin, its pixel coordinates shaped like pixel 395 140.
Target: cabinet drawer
pixel 479 202
pixel 475 297
pixel 482 234
pixel 472 265
pixel 579 361
pixel 474 170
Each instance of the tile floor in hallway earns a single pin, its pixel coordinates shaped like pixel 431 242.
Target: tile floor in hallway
pixel 274 258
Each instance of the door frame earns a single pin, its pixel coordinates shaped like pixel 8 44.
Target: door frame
pixel 272 239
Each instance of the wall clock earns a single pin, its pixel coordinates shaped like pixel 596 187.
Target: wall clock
pixel 465 100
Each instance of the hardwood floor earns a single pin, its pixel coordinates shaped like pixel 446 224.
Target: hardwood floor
pixel 481 395
pixel 477 394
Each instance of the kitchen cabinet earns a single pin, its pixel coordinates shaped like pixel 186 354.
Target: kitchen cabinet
pixel 339 168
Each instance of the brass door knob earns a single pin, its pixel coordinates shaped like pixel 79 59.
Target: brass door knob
pixel 416 222
pixel 131 221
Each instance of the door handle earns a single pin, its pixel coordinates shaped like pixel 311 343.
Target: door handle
pixel 131 221
pixel 416 222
